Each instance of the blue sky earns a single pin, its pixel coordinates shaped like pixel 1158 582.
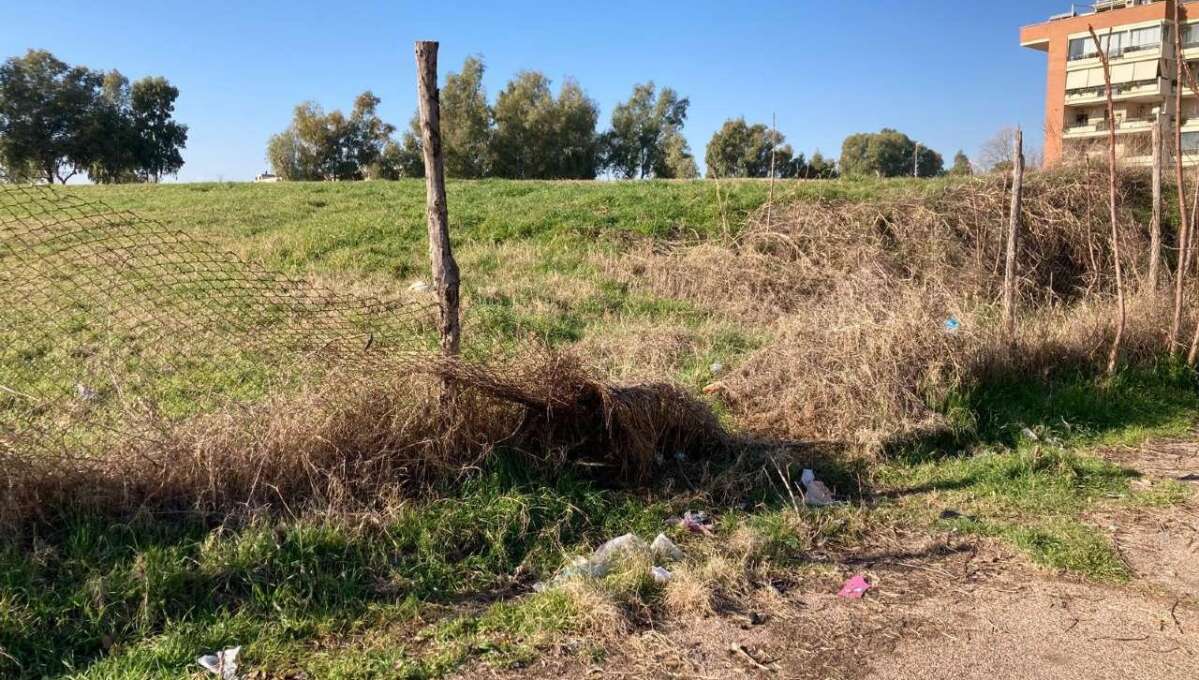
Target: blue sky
pixel 947 72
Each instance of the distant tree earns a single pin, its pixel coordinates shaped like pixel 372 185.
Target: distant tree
pixel 888 153
pixel 538 137
pixel 635 146
pixel 738 149
pixel 63 120
pixel 159 139
pixel 46 107
pixel 330 146
pixel 466 122
pixel 995 154
pixel 961 165
pixel 819 168
pixel 677 162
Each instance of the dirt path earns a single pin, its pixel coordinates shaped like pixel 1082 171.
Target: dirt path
pixel 951 609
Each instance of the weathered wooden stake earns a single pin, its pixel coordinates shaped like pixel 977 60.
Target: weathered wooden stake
pixel 1155 226
pixel 1121 316
pixel 441 255
pixel 1013 234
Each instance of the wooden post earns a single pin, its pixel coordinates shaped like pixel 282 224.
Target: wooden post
pixel 1013 234
pixel 773 146
pixel 441 256
pixel 916 160
pixel 1155 226
pixel 1114 354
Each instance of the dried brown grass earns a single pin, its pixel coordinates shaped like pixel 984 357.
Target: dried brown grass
pixel 856 296
pixel 364 435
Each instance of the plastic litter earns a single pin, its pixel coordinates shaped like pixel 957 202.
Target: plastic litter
pixel 1029 434
pixel 952 325
pixel 665 549
pixel 815 493
pixel 600 562
pixel 716 367
pixel 697 522
pixel 419 287
pixel 660 574
pixel 222 664
pixel 854 588
pixel 86 393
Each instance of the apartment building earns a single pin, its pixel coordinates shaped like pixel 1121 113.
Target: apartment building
pixel 1138 37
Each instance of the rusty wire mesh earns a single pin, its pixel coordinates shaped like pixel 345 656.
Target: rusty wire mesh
pixel 106 317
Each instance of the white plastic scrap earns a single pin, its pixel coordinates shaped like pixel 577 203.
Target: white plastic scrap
pixel 660 574
pixel 716 367
pixel 418 287
pixel 600 562
pixel 815 492
pixel 223 663
pixel 85 392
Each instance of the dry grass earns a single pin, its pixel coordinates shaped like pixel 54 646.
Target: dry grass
pixel 365 433
pixel 857 295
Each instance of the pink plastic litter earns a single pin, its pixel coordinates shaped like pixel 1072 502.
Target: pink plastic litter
pixel 854 588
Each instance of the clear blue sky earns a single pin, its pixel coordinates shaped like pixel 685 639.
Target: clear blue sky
pixel 947 72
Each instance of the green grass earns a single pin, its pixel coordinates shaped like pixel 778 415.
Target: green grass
pixel 418 591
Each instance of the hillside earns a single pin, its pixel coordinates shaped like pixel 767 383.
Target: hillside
pixel 345 527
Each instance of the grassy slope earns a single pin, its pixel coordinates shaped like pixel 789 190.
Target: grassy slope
pixel 410 594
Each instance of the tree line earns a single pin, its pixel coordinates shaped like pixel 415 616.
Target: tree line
pixel 57 121
pixel 531 132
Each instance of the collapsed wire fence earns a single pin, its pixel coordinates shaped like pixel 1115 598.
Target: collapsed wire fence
pixel 143 367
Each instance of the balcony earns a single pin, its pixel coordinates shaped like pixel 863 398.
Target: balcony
pixel 1147 89
pixel 1100 127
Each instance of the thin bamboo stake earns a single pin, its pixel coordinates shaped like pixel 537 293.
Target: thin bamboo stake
pixel 1013 234
pixel 1183 223
pixel 1114 353
pixel 1155 226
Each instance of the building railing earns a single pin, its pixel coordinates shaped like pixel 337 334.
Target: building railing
pixel 1117 90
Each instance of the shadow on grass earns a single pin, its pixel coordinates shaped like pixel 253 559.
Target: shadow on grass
pixel 1071 409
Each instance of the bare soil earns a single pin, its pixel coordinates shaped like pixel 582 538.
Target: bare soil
pixel 946 608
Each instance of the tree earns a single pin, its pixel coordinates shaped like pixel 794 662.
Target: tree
pixel 538 137
pixel 158 138
pixel 961 165
pixel 635 146
pixel 819 168
pixel 741 150
pixel 677 162
pixel 63 120
pixel 465 122
pixel 320 146
pixel 888 153
pixel 45 106
pixel 995 154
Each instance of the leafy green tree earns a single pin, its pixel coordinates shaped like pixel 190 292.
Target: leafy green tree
pixel 63 120
pixel 677 162
pixel 330 146
pixel 738 149
pixel 888 153
pixel 46 110
pixel 820 168
pixel 466 122
pixel 538 136
pixel 158 138
pixel 961 165
pixel 635 146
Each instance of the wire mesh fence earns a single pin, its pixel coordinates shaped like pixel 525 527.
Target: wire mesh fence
pixel 107 317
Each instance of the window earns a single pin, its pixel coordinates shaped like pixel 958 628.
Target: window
pixel 1143 38
pixel 1190 142
pixel 1190 35
pixel 1078 48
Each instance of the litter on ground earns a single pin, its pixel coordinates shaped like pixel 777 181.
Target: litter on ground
pixel 600 563
pixel 854 588
pixel 222 664
pixel 815 493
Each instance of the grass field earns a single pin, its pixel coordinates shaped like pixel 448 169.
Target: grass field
pixel 430 584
